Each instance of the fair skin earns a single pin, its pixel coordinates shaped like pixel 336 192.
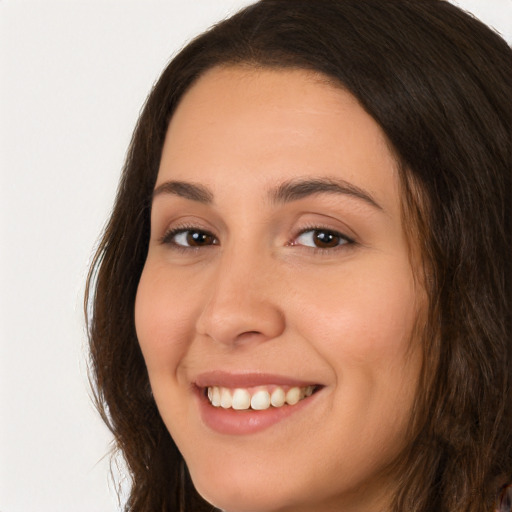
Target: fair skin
pixel 278 259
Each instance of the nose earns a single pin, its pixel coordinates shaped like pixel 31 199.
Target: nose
pixel 242 302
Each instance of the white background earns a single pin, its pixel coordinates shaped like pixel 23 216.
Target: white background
pixel 73 76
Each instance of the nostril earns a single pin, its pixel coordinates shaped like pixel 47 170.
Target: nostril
pixel 248 335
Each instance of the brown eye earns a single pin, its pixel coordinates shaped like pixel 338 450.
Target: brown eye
pixel 190 238
pixel 322 239
pixel 199 238
pixel 326 239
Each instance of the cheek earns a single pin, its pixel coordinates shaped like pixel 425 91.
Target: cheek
pixel 365 319
pixel 162 325
pixel 364 330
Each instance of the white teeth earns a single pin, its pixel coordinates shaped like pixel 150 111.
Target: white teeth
pixel 278 397
pixel 241 399
pixel 215 397
pixel 261 399
pixel 225 398
pixel 293 396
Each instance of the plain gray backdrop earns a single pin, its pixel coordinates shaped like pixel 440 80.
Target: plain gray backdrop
pixel 73 77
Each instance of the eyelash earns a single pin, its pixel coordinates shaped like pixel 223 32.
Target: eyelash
pixel 345 241
pixel 169 239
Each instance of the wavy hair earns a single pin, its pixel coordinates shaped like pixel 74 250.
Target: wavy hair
pixel 438 82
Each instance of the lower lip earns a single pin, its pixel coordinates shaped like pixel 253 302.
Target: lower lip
pixel 232 422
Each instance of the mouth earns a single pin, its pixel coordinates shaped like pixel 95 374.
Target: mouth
pixel 248 403
pixel 259 398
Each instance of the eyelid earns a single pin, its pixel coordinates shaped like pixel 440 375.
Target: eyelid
pixel 172 216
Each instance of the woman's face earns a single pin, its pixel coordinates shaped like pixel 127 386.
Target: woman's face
pixel 278 270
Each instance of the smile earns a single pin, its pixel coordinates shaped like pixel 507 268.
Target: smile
pixel 257 399
pixel 248 403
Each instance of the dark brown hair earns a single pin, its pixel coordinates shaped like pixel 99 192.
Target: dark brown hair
pixel 438 82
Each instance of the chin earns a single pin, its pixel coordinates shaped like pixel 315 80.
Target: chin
pixel 238 495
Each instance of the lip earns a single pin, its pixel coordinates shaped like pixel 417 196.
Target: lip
pixel 246 422
pixel 247 380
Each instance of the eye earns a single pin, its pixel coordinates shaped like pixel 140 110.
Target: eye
pixel 319 238
pixel 189 238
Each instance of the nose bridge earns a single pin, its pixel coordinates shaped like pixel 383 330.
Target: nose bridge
pixel 241 298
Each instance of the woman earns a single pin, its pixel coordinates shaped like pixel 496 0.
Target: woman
pixel 302 298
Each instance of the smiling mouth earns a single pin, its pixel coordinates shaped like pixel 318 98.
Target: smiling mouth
pixel 258 398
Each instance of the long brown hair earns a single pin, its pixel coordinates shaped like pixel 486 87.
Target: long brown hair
pixel 438 82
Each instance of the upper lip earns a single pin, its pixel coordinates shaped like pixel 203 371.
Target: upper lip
pixel 246 380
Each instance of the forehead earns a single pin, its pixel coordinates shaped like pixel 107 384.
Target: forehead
pixel 244 128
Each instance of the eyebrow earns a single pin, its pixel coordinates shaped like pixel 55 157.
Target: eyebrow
pixel 191 191
pixel 284 193
pixel 301 188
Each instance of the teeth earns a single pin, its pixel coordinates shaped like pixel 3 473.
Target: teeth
pixel 293 396
pixel 260 400
pixel 225 398
pixel 241 399
pixel 215 399
pixel 278 397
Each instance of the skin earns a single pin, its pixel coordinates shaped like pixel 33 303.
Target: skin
pixel 260 296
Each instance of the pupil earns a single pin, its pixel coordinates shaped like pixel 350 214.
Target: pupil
pixel 326 239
